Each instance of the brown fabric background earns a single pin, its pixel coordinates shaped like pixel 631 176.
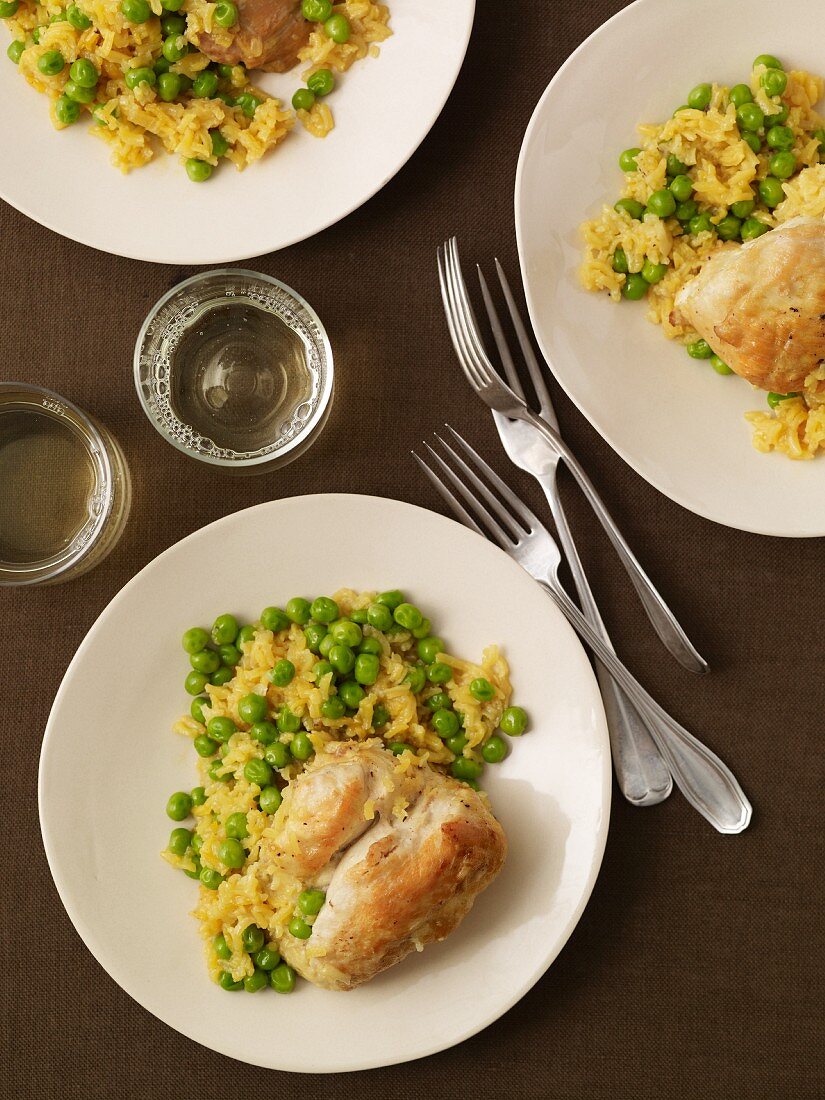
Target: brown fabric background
pixel 695 970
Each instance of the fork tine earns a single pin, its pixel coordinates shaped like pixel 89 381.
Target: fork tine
pixel 499 337
pixel 506 517
pixel 533 368
pixel 468 317
pixel 529 518
pixel 495 529
pixel 447 496
pixel 456 320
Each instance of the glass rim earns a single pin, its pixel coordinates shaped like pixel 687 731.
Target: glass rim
pixel 48 569
pixel 304 439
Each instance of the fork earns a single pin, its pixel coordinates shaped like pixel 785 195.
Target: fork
pixel 641 773
pixel 496 394
pixel 707 783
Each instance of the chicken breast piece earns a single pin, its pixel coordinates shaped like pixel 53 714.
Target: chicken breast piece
pixel 393 883
pixel 761 307
pixel 268 35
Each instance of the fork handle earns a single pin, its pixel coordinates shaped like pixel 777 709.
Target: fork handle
pixel 708 784
pixel 642 775
pixel 663 620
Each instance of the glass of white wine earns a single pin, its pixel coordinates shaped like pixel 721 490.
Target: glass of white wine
pixel 65 490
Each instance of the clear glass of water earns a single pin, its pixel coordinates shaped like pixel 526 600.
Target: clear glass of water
pixel 235 369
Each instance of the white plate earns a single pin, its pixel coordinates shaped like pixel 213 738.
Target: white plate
pixel 109 763
pixel 383 110
pixel 674 420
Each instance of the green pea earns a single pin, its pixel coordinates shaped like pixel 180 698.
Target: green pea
pixel 635 287
pixel 179 806
pixel 205 85
pixel 482 689
pixel 337 28
pixel 246 634
pixel 196 842
pixel 774 81
pixel 456 744
pixel 83 73
pixel 380 716
pixel 494 750
pixel 221 947
pixel 211 878
pixel 701 224
pixel 136 11
pixel 277 754
pixel 36 35
pixel 221 728
pixel 324 610
pixel 774 399
pixel 272 618
pixel 230 655
pixel 742 209
pixel 514 721
pixel 728 228
pixel 196 870
pixel 408 616
pixel 687 210
pixel 740 94
pixel 379 616
pixel 226 14
pixel 207 661
pixel 222 676
pixel 342 658
pixel 750 117
pixel 227 982
pixel 198 171
pixel 770 190
pixel 391 599
pixel 327 642
pixel 169 85
pixel 782 165
pixel 333 708
pixel 675 167
pixel 464 768
pixel 258 771
pixel 15 51
pixel 78 94
pixel 303 100
pixel 252 708
pixel 196 709
pixel 232 853
pixel 360 616
pixel 258 979
pixel 282 979
pixel 300 746
pixel 620 261
pixel 753 141
pixel 719 366
pixel 310 902
pixel 780 137
pixel 662 203
pixel 440 701
pixel 422 631
pixel 630 207
pixel 627 159
pixel 179 841
pixel 700 349
pixel 248 103
pixel 78 19
pixel 429 648
pixel 266 959
pixel 398 747
pixel 753 228
pixel 445 723
pixel 367 669
pixel 205 746
pixel 236 827
pixel 269 799
pixel 252 938
pixel 174 48
pixel 172 24
pixel 195 682
pixel 371 645
pixel 681 188
pixel 347 633
pixel 141 75
pixel 283 673
pixel 287 722
pixel 439 673
pixel 220 146
pixel 699 97
pixel 198 796
pixel 684 107
pixel 780 116
pixel 216 772
pixel 768 60
pixel 352 693
pixel 321 82
pixel 299 928
pixel 321 669
pixel 653 273
pixel 51 63
pixel 298 611
pixel 316 11
pixel 820 136
pixel 416 678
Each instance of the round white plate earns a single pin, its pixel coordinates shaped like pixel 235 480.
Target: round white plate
pixel 383 110
pixel 675 421
pixel 110 761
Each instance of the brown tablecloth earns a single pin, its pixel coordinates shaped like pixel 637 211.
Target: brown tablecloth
pixel 694 970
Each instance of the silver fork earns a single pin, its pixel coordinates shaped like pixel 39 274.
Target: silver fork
pixel 641 772
pixel 494 392
pixel 700 775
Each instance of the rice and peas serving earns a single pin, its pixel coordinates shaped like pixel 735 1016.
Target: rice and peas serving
pixel 131 66
pixel 267 697
pixel 728 166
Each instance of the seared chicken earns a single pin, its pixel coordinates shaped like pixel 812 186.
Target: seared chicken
pixel 761 307
pixel 400 857
pixel 268 35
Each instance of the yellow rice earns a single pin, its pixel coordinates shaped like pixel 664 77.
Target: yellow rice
pixel 724 170
pixel 135 122
pixel 253 897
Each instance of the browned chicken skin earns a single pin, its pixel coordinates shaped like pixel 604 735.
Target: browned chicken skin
pixel 761 307
pixel 393 883
pixel 268 35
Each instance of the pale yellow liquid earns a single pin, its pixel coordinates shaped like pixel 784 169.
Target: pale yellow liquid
pixel 46 480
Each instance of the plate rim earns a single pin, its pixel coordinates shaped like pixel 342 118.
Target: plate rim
pixel 593 415
pixel 244 254
pixel 87 934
